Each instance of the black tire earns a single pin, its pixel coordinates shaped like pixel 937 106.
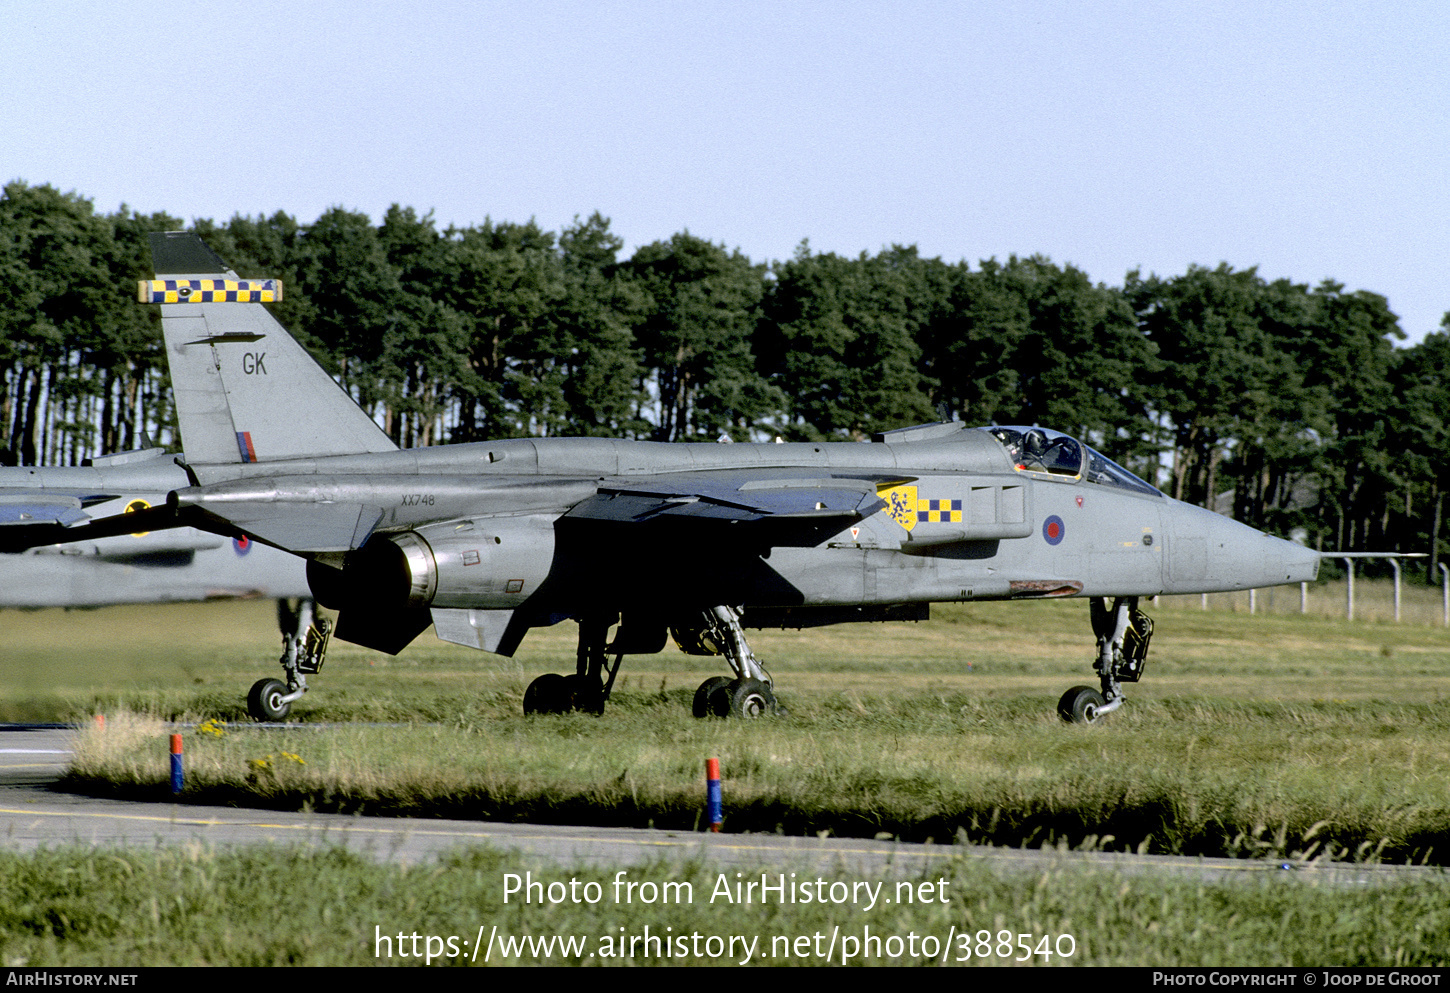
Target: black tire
pixel 264 702
pixel 712 699
pixel 751 698
pixel 549 694
pixel 583 694
pixel 1080 705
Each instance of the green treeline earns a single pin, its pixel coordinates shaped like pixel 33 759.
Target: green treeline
pixel 1284 404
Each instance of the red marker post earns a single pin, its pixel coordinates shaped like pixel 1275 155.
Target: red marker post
pixel 712 793
pixel 175 763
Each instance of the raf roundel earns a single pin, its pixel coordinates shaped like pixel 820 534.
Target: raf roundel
pixel 242 544
pixel 1053 529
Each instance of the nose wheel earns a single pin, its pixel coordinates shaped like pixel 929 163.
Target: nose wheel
pixel 1080 705
pixel 1123 632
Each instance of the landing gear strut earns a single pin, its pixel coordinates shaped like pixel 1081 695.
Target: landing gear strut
pixel 588 688
pixel 1123 632
pixel 751 693
pixel 304 644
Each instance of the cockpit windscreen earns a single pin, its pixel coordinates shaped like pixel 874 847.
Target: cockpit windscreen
pixel 1102 469
pixel 1057 454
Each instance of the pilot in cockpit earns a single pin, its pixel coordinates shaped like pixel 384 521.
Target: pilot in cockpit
pixel 1032 450
pixel 1037 450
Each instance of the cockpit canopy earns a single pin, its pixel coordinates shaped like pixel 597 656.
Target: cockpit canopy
pixel 1056 454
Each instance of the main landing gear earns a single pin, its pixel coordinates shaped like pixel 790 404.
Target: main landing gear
pixel 588 688
pixel 304 644
pixel 1123 632
pixel 752 692
pixel 749 694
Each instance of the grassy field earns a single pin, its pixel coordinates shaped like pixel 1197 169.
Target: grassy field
pixel 1267 734
pixel 1272 734
pixel 194 907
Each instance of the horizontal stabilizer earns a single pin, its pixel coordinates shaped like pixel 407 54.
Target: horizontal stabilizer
pixel 303 527
pixel 38 533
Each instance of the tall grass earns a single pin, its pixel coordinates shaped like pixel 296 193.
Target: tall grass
pixel 1343 780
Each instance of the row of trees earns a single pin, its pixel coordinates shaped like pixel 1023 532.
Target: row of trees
pixel 1285 404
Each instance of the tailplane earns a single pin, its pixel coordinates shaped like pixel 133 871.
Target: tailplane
pixel 245 390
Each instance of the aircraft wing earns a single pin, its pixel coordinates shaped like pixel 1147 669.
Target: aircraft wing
pixel 788 510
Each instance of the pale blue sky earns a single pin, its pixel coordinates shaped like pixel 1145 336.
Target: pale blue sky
pixel 1309 139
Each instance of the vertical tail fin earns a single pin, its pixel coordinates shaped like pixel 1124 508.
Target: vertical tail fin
pixel 245 390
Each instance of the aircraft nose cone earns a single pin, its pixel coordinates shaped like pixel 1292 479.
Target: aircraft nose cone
pixel 1301 565
pixel 1209 552
pixel 1281 561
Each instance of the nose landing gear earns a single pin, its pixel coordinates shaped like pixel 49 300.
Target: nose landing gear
pixel 1123 632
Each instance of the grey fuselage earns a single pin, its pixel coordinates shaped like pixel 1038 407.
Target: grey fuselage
pixel 961 522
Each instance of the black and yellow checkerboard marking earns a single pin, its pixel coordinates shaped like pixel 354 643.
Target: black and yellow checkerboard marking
pixel 209 290
pixel 939 511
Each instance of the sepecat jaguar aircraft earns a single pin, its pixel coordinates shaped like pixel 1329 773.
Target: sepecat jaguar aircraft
pixel 702 541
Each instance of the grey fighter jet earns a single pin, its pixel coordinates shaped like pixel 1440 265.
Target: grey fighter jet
pixel 142 566
pixel 703 541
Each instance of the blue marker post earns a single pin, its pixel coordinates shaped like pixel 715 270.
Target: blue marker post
pixel 175 764
pixel 712 793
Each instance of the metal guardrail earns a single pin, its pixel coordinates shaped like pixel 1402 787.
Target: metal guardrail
pixel 1348 560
